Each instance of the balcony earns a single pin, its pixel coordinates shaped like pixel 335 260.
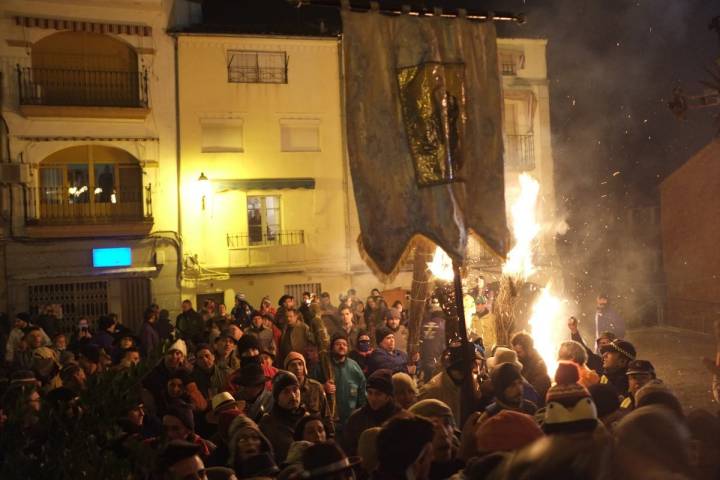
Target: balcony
pixel 519 152
pixel 258 249
pixel 57 212
pixel 84 93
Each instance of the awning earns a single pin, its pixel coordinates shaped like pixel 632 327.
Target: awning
pixel 263 184
pixel 84 26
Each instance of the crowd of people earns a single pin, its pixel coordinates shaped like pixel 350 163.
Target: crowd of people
pixel 304 389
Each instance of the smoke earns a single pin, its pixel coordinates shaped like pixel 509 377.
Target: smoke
pixel 611 73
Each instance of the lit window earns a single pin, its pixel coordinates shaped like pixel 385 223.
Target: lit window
pixel 257 67
pixel 263 214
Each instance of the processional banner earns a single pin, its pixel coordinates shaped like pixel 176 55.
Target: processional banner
pixel 424 131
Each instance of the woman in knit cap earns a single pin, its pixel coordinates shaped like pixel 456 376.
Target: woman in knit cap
pixel 246 440
pixel 380 407
pixel 310 428
pixel 404 389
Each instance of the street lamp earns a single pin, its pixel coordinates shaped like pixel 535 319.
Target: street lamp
pixel 204 184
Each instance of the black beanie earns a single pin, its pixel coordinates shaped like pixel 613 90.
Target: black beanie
pixel 281 381
pixel 247 342
pixel 183 412
pixel 503 375
pixel 381 380
pixel 338 336
pixel 381 333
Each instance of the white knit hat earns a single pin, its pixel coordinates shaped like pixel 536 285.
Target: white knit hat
pixel 180 346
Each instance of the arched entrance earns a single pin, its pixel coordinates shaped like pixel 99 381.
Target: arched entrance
pixel 82 69
pixel 90 184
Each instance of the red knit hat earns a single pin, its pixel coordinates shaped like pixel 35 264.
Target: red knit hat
pixel 506 431
pixel 568 405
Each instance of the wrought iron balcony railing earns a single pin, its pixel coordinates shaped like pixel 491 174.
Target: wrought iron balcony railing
pixel 519 152
pixel 63 206
pixel 260 239
pixel 266 249
pixel 87 88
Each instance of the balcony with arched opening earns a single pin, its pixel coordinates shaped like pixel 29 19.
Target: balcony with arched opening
pixel 89 190
pixel 83 74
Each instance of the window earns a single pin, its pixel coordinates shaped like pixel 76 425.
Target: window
pixel 84 299
pixel 297 290
pixel 300 135
pixel 257 67
pixel 511 61
pixel 222 135
pixel 263 220
pixel 90 182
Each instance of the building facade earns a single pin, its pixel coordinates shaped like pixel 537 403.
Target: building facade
pixel 267 202
pixel 689 208
pixel 89 175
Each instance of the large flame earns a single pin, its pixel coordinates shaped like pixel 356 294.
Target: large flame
pixel 525 229
pixel 545 324
pixel 546 327
pixel 441 266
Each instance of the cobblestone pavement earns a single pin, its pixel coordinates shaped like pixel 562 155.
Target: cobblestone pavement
pixel 676 355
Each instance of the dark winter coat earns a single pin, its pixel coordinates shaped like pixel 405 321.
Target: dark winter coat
pixel 395 361
pixel 361 420
pixel 617 377
pixel 536 373
pixel 279 427
pixel 149 338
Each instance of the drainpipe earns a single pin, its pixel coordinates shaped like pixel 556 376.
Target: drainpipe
pixel 177 136
pixel 346 183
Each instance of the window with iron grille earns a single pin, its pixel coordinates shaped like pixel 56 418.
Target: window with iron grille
pixel 257 67
pixel 78 300
pixel 297 289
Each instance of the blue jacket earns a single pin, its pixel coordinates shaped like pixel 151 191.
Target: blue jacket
pixel 395 361
pixel 349 384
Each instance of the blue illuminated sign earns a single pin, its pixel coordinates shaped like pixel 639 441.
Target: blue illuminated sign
pixel 112 257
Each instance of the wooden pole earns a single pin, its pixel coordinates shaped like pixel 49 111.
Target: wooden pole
pixel 467 390
pixel 419 292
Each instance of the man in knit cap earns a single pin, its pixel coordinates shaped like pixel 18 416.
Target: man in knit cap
pixel 386 356
pixel 508 386
pixel 345 380
pixel 617 355
pixel 173 362
pixel 569 406
pixel 311 391
pixel 379 408
pixel 445 444
pixel 287 410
